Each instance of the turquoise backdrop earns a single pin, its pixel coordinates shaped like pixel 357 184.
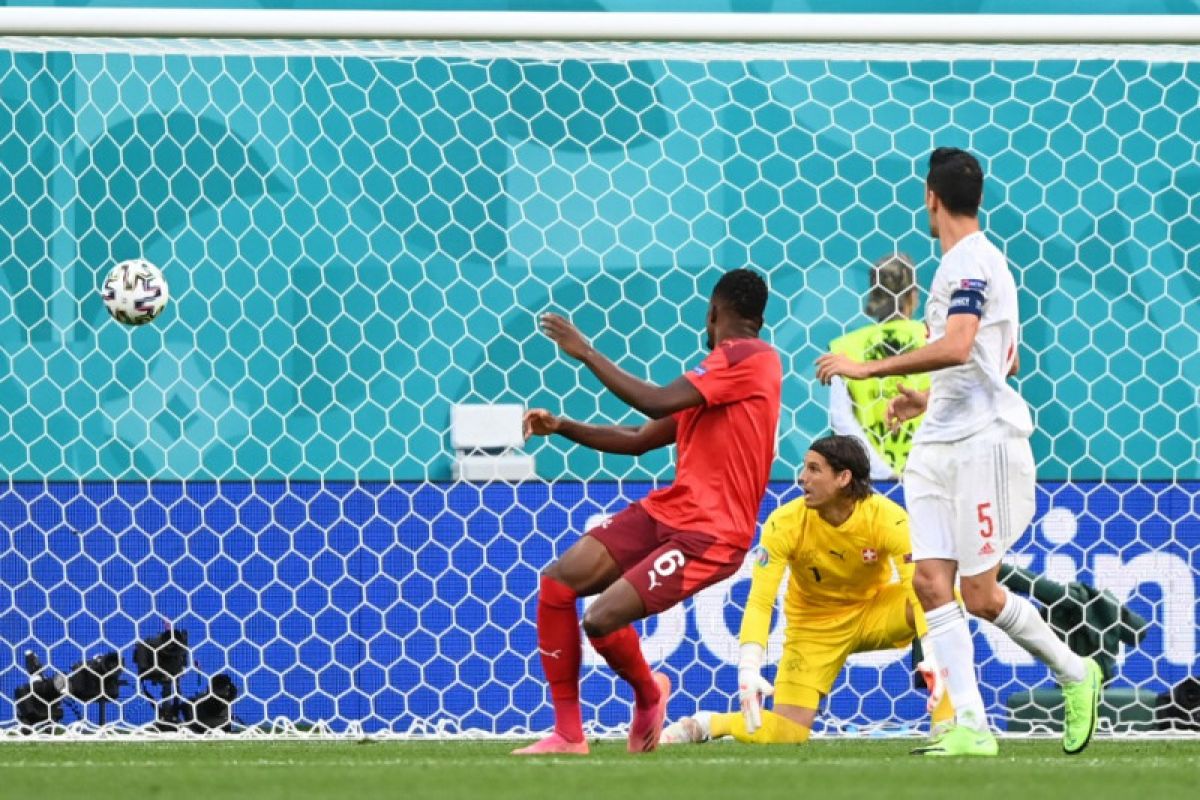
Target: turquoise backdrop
pixel 353 243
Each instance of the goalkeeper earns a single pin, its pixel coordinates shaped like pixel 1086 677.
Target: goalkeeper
pixel 840 541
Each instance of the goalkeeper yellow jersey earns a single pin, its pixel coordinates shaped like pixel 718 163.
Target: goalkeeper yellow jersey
pixel 833 569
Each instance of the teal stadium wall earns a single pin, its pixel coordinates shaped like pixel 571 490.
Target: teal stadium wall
pixel 353 244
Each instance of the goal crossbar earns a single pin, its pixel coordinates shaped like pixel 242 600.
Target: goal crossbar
pixel 599 26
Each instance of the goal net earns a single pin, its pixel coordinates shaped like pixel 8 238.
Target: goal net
pixel 358 236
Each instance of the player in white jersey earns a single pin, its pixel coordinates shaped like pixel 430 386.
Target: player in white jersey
pixel 969 481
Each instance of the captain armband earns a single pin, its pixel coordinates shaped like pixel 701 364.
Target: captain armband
pixel 967 298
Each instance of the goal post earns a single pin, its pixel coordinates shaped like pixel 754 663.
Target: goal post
pixel 359 215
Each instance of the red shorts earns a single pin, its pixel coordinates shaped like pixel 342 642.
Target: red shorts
pixel 665 565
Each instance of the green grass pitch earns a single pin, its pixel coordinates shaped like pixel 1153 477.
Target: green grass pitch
pixel 823 770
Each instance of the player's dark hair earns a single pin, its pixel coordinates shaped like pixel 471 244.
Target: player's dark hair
pixel 847 453
pixel 957 179
pixel 745 292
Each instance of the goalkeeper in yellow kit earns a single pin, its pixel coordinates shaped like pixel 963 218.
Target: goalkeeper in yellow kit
pixel 840 542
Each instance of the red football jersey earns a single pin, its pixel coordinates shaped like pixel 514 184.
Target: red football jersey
pixel 726 445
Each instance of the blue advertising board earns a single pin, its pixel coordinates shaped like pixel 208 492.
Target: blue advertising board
pixel 405 606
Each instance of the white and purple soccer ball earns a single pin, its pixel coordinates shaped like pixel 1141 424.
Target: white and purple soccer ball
pixel 134 292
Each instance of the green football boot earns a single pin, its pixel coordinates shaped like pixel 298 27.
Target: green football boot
pixel 961 741
pixel 938 729
pixel 1081 708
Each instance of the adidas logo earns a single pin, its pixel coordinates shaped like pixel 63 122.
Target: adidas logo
pixel 987 549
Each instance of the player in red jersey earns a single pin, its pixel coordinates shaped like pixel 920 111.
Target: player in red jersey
pixel 677 540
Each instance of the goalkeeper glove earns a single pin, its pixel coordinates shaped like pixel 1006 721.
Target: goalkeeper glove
pixel 928 670
pixel 752 686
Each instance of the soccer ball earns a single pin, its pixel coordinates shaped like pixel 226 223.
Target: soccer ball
pixel 134 292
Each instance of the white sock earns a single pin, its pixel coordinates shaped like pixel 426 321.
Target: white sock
pixel 1021 621
pixel 949 639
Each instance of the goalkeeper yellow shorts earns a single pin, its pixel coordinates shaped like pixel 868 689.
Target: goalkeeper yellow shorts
pixel 815 647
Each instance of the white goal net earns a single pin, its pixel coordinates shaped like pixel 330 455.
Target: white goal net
pixel 358 236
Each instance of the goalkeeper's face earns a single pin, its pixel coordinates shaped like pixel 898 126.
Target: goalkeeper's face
pixel 822 485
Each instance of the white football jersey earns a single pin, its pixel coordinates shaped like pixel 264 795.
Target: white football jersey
pixel 974 278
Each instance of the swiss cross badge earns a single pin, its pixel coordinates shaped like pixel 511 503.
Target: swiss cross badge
pixel 869 556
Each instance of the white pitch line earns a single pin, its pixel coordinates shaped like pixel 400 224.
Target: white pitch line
pixel 607 763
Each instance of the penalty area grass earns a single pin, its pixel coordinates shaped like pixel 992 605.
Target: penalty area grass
pixel 482 770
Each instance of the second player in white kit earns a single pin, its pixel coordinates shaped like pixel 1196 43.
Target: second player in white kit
pixel 969 482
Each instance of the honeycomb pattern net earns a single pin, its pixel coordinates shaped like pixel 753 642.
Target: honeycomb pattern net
pixel 358 236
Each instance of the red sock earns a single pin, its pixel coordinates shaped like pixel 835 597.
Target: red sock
pixel 623 652
pixel 560 648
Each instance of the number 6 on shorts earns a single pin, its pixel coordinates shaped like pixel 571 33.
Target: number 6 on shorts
pixel 665 565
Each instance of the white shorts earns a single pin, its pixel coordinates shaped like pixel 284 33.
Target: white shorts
pixel 969 501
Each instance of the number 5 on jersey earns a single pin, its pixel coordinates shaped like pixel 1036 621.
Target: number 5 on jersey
pixel 665 566
pixel 986 528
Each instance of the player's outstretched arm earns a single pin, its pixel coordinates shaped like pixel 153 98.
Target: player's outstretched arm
pixel 628 440
pixel 770 564
pixel 654 401
pixel 951 350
